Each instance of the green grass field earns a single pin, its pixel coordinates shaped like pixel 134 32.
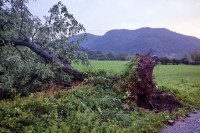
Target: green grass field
pixel 165 74
pixel 115 66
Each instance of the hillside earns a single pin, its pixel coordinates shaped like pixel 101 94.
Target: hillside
pixel 161 41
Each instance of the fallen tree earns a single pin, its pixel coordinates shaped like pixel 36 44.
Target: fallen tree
pixel 18 27
pixel 48 56
pixel 35 53
pixel 141 86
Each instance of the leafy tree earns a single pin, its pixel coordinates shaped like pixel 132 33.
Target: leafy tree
pixel 122 56
pixel 195 57
pixel 164 60
pixel 175 61
pixel 33 53
pixel 110 56
pixel 96 55
pixel 185 60
pixel 99 55
pixel 129 58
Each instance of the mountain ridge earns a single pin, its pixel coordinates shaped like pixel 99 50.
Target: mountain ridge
pixel 161 41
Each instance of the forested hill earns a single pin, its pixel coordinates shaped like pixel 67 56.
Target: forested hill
pixel 161 41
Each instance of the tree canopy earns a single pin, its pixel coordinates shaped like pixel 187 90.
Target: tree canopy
pixel 195 57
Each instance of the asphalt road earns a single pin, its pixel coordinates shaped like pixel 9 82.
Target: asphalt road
pixel 189 125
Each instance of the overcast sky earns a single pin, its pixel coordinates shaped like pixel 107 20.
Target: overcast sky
pixel 100 16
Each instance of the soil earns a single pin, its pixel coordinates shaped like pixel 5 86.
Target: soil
pixel 141 86
pixel 159 101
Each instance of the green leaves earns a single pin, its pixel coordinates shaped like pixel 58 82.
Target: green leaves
pixel 25 74
pixel 86 109
pixel 60 23
pixel 22 70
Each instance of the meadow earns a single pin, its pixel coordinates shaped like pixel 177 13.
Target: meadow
pixel 169 74
pixel 115 66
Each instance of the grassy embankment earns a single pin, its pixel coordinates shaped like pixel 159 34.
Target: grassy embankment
pixel 95 109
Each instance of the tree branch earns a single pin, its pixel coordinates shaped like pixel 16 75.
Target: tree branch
pixel 22 17
pixel 40 29
pixel 4 24
pixel 19 51
pixel 51 56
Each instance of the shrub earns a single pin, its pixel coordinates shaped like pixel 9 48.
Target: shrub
pixel 88 109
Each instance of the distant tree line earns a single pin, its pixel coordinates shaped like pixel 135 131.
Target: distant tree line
pixel 98 55
pixel 167 61
pixel 191 59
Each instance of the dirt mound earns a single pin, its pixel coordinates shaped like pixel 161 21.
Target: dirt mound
pixel 141 86
pixel 159 101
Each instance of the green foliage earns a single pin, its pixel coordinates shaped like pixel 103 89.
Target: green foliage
pixel 164 60
pixel 195 57
pixel 85 109
pixel 185 61
pixel 175 61
pixel 121 56
pixel 98 55
pixel 101 78
pixel 128 73
pixel 22 69
pixel 24 74
pixel 111 56
pixel 130 68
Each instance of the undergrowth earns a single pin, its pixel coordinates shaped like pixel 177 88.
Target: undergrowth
pixel 84 109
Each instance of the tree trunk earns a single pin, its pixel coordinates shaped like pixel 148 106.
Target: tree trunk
pixel 77 76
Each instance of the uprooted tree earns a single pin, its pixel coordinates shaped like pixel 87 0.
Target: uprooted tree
pixel 141 86
pixel 32 51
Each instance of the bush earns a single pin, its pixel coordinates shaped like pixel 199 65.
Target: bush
pixel 185 61
pixel 164 60
pixel 101 78
pixel 85 109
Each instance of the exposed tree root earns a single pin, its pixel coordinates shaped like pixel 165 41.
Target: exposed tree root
pixel 141 86
pixel 158 101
